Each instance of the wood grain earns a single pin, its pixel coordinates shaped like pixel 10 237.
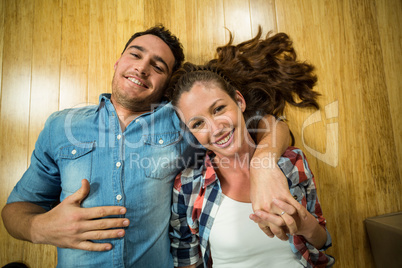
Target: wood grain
pixel 74 54
pixel 15 102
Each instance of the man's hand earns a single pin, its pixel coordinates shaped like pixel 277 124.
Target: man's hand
pixel 266 179
pixel 263 192
pixel 273 185
pixel 68 225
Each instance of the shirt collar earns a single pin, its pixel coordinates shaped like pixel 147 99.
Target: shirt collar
pixel 209 174
pixel 104 98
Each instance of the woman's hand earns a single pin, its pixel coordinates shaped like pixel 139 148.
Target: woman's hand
pixel 290 221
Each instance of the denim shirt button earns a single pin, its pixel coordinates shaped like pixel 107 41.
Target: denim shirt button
pixel 73 151
pixel 119 137
pixel 118 164
pixel 119 197
pixel 160 141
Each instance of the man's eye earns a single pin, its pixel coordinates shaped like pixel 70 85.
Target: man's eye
pixel 135 55
pixel 158 69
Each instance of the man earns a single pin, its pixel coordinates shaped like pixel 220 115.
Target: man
pixel 112 167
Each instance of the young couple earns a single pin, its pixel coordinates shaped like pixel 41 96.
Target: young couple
pixel 113 213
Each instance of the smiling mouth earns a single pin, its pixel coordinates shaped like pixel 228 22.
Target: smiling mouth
pixel 137 82
pixel 223 141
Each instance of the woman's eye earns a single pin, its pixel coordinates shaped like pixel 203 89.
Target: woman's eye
pixel 196 125
pixel 219 108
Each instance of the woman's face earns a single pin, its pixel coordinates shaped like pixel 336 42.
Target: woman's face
pixel 214 118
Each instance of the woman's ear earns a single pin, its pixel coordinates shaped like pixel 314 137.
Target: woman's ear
pixel 240 101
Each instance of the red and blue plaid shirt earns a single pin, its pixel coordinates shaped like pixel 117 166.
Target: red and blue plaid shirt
pixel 196 199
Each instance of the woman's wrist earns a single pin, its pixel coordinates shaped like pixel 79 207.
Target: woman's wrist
pixel 311 227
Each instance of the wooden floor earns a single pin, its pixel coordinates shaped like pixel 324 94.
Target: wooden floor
pixel 57 54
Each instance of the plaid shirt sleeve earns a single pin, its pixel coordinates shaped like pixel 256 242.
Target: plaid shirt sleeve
pixel 302 186
pixel 184 243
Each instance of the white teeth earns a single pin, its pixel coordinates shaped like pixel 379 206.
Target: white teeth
pixel 225 140
pixel 135 81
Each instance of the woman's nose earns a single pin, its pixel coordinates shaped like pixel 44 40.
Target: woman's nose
pixel 218 126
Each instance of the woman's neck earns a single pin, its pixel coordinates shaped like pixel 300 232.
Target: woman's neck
pixel 234 173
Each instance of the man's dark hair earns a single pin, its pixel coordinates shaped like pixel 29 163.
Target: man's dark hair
pixel 169 39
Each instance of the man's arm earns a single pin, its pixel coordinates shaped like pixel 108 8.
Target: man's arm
pixel 67 225
pixel 267 180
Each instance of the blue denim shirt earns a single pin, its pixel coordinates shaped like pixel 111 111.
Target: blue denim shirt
pixel 135 168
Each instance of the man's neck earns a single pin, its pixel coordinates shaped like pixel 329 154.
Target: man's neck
pixel 126 116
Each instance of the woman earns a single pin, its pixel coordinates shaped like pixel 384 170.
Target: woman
pixel 221 103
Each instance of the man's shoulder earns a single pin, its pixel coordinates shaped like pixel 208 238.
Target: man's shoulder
pixel 72 113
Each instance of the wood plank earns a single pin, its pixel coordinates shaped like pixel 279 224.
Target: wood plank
pixel 185 12
pixel 102 48
pixel 129 21
pixel 74 54
pixel 2 10
pixel 158 12
pixel 45 89
pixel 262 12
pixel 237 19
pixel 390 24
pixel 45 66
pixel 14 117
pixel 211 32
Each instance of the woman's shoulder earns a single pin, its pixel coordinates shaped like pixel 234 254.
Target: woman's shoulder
pixel 189 176
pixel 294 165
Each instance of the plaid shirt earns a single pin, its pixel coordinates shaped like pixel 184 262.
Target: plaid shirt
pixel 196 199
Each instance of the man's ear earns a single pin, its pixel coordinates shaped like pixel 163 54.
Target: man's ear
pixel 115 65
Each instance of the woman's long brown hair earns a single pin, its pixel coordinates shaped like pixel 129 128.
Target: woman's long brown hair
pixel 265 71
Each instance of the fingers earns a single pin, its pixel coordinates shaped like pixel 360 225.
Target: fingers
pixel 91 246
pixel 102 212
pixel 100 230
pixel 289 209
pixel 80 194
pixel 271 224
pixel 104 224
pixel 301 210
pixel 266 230
pixel 280 232
pixel 288 214
pixel 266 218
pixel 104 234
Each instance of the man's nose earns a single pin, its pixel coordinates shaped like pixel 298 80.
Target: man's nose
pixel 142 68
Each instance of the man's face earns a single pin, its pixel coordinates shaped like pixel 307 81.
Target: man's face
pixel 142 73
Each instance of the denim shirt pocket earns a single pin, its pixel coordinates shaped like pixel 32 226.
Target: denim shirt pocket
pixel 163 155
pixel 75 164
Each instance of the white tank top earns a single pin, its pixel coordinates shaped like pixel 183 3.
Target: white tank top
pixel 237 241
